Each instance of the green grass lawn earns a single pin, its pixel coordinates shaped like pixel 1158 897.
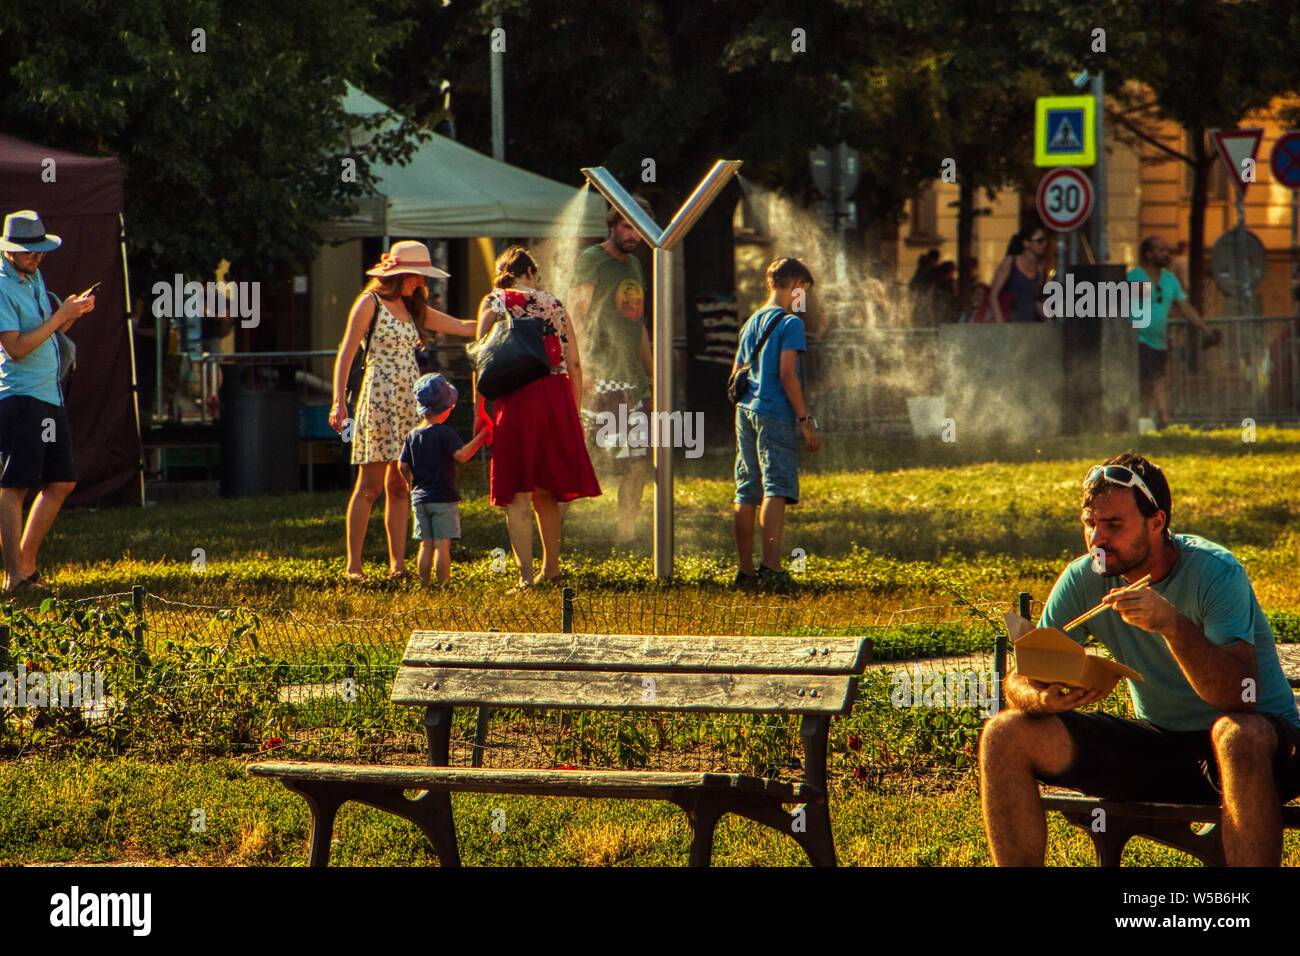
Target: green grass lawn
pixel 885 526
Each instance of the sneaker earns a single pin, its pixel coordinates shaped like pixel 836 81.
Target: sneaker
pixel 745 582
pixel 779 580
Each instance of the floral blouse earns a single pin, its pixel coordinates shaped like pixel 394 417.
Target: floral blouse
pixel 537 304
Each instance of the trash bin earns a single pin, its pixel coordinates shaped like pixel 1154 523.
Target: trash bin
pixel 259 430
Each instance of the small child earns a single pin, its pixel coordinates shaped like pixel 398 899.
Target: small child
pixel 428 463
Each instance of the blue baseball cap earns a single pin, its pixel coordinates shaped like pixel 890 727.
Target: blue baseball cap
pixel 435 394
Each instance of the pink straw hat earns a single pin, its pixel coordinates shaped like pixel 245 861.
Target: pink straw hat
pixel 407 257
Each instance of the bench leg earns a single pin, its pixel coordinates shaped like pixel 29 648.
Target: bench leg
pixel 1109 845
pixel 324 803
pixel 703 812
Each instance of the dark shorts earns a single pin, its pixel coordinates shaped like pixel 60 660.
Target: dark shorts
pixel 35 443
pixel 1152 365
pixel 610 443
pixel 1120 759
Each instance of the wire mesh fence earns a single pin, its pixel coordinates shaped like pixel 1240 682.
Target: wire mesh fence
pixel 236 680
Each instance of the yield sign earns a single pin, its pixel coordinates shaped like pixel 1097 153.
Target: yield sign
pixel 1235 146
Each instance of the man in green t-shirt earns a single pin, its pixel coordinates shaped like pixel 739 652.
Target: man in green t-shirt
pixel 607 307
pixel 1153 346
pixel 1216 719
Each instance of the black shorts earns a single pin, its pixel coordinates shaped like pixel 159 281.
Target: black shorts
pixel 1120 759
pixel 1152 365
pixel 35 443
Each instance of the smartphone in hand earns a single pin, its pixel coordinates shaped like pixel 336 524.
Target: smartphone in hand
pixel 91 291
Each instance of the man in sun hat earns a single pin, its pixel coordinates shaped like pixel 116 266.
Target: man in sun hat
pixel 1217 721
pixel 35 441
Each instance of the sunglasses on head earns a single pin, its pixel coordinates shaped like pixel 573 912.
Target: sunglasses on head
pixel 1119 475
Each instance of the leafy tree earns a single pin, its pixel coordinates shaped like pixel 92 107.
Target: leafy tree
pixel 232 142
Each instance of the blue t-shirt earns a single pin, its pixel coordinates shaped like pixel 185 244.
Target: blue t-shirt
pixel 766 393
pixel 1163 295
pixel 1210 587
pixel 428 449
pixel 23 307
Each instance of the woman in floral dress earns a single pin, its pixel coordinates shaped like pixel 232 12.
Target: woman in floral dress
pixel 386 407
pixel 539 455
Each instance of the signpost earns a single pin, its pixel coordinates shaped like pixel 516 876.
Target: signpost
pixel 1238 148
pixel 835 173
pixel 1064 202
pixel 1285 163
pixel 1065 131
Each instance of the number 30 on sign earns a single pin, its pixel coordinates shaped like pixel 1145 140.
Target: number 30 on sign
pixel 1064 199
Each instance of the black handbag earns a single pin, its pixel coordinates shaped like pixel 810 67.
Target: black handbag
pixel 738 384
pixel 510 356
pixel 357 374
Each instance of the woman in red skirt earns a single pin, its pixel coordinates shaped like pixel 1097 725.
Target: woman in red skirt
pixel 539 454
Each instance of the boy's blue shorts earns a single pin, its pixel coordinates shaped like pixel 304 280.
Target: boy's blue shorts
pixel 767 458
pixel 436 520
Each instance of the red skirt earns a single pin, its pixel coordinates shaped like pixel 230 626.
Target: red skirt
pixel 538 443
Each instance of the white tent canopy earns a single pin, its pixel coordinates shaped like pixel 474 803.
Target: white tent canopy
pixel 449 191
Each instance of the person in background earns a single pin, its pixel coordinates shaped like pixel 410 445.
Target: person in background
pixel 1154 257
pixel 539 457
pixel 428 463
pixel 607 308
pixel 386 409
pixel 1018 283
pixel 35 439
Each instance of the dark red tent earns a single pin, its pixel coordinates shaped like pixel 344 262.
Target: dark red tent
pixel 79 198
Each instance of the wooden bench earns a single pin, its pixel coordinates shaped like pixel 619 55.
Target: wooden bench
pixel 1166 823
pixel 814 678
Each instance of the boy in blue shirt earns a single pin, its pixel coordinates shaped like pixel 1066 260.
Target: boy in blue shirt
pixel 428 463
pixel 769 419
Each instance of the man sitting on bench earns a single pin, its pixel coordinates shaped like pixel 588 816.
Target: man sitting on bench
pixel 1217 721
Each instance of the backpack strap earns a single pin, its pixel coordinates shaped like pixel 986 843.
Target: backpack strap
pixel 758 349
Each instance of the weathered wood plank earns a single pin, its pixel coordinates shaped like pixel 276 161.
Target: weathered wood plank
pixel 1184 812
pixel 639 652
pixel 605 690
pixel 612 783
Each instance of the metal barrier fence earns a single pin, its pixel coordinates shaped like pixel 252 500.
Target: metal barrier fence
pixel 1251 374
pixel 320 689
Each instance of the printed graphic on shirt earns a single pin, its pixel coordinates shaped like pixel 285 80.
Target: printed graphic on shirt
pixel 629 299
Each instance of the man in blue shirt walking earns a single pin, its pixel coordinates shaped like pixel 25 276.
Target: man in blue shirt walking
pixel 1216 719
pixel 35 441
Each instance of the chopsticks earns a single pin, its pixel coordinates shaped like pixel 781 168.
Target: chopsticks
pixel 1088 615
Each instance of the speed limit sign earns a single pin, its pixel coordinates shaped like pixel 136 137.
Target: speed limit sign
pixel 1064 199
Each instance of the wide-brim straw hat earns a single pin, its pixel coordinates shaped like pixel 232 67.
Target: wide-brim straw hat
pixel 24 232
pixel 407 258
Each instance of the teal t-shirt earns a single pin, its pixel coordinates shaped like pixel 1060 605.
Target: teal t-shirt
pixel 25 306
pixel 1163 295
pixel 1210 587
pixel 611 334
pixel 767 395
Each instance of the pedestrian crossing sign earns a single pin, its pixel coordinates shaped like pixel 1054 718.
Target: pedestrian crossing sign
pixel 1065 131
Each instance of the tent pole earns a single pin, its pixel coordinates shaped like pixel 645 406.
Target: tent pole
pixel 130 343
